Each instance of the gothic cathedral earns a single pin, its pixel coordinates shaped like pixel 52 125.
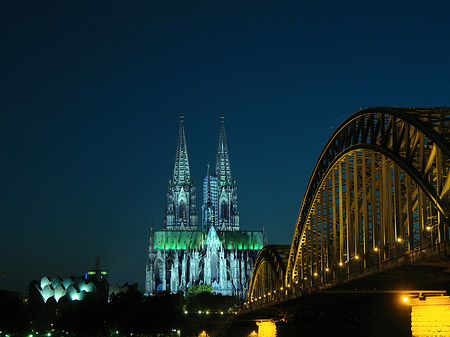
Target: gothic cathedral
pixel 219 253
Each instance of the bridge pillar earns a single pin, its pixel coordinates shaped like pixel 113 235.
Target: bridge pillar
pixel 430 316
pixel 266 328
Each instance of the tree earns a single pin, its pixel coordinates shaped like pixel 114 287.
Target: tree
pixel 201 288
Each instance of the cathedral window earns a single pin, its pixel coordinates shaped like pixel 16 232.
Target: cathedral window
pixel 159 275
pixel 223 210
pixel 182 210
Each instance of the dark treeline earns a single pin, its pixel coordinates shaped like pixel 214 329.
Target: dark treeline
pixel 128 312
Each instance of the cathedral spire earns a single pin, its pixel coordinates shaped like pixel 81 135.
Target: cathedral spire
pixel 181 172
pixel 223 170
pixel 181 208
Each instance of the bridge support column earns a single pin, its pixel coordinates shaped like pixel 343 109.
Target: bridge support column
pixel 267 328
pixel 430 316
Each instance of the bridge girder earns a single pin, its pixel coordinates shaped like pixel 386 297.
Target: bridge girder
pixel 380 189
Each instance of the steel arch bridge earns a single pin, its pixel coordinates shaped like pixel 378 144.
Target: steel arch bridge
pixel 271 270
pixel 380 191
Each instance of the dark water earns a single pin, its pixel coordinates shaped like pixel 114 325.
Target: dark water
pixel 321 326
pixel 371 315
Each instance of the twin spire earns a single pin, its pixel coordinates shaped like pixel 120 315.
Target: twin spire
pixel 181 171
pixel 219 190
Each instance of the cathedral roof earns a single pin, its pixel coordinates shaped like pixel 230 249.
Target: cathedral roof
pixel 223 170
pixel 193 239
pixel 170 239
pixel 252 240
pixel 181 172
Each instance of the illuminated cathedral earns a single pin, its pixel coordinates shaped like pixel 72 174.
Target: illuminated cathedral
pixel 218 253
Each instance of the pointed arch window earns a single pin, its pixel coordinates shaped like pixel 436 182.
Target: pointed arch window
pixel 224 211
pixel 159 275
pixel 182 209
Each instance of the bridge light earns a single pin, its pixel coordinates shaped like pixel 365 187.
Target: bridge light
pixel 199 312
pixel 281 288
pixel 289 285
pixel 315 274
pixel 305 278
pixel 405 299
pixel 264 295
pixel 326 269
pixel 428 228
pixel 259 297
pixel 357 257
pixel 268 294
pixel 274 291
pixel 375 249
pixel 341 264
pixel 399 239
pixel 296 281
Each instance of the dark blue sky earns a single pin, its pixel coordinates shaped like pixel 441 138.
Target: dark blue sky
pixel 90 93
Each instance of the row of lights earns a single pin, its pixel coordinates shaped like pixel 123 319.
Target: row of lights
pixel 200 312
pixel 327 270
pixel 268 294
pixel 316 274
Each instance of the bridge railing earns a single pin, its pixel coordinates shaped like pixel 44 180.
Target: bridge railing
pixel 439 251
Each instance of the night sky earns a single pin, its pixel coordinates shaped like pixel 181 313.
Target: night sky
pixel 90 93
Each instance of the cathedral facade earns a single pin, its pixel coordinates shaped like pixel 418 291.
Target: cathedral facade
pixel 218 253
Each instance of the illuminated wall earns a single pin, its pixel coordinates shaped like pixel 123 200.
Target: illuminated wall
pixel 267 329
pixel 192 256
pixel 431 316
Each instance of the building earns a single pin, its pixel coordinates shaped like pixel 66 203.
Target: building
pixel 219 253
pixel 97 273
pixel 94 285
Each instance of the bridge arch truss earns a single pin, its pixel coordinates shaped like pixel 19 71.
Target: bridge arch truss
pixel 379 190
pixel 269 273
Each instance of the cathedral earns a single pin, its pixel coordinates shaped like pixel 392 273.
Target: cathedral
pixel 218 253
